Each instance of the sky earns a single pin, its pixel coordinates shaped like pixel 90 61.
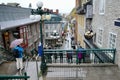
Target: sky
pixel 64 6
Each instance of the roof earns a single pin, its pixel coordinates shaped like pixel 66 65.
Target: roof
pixel 15 23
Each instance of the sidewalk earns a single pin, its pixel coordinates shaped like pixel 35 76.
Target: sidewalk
pixel 31 70
pixel 84 72
pixel 8 68
pixel 110 72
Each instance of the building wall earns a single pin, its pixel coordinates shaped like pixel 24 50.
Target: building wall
pixel 49 30
pixel 106 23
pixel 33 36
pixel 81 30
pixel 28 29
pixel 80 18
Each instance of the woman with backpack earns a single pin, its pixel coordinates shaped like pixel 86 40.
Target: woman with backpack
pixel 19 57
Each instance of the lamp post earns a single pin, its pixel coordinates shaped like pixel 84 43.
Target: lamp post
pixel 41 15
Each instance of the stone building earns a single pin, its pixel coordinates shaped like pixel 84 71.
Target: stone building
pixel 53 30
pixel 84 19
pixel 106 33
pixel 15 23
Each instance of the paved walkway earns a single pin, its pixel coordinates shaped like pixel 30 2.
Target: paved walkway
pixel 83 72
pixel 32 70
pixel 67 71
pixel 8 68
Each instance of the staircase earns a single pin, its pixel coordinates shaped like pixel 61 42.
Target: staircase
pixel 5 55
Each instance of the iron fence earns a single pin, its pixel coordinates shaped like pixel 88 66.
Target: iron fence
pixel 14 77
pixel 88 56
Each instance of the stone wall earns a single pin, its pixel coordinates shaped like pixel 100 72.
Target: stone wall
pixel 106 23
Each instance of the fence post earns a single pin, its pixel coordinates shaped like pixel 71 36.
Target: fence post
pixel 25 75
pixel 114 56
pixel 76 57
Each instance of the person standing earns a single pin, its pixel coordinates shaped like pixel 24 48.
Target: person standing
pixel 69 57
pixel 61 57
pixel 79 57
pixel 19 58
pixel 55 57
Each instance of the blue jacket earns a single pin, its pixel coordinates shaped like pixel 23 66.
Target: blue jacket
pixel 20 51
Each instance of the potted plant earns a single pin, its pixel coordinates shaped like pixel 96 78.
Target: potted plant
pixel 88 35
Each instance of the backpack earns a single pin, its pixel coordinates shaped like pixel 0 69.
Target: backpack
pixel 16 53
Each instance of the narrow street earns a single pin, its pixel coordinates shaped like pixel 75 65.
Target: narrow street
pixel 67 71
pixel 67 42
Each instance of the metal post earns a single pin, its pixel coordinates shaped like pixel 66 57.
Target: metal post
pixel 37 70
pixel 40 12
pixel 43 63
pixel 114 51
pixel 41 39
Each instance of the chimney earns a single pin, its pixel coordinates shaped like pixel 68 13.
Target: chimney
pixel 45 9
pixel 51 10
pixel 57 11
pixel 13 4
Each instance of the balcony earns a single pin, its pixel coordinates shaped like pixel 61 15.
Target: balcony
pixel 81 10
pixel 86 8
pixel 117 22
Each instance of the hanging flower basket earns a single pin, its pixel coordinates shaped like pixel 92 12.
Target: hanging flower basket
pixel 88 35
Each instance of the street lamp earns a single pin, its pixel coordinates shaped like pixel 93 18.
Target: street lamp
pixel 41 15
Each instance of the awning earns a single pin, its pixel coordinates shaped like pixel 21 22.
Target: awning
pixel 15 23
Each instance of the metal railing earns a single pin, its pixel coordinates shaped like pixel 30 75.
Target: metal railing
pixel 14 77
pixel 70 56
pixel 66 63
pixel 88 56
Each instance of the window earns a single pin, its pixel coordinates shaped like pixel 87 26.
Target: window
pixel 101 7
pixel 30 29
pixel 94 1
pixel 46 34
pixel 46 26
pixel 111 44
pixel 99 37
pixel 112 40
pixel 23 34
pixel 36 30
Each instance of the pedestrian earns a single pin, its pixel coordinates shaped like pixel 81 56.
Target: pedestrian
pixel 61 57
pixel 19 57
pixel 69 57
pixel 79 57
pixel 55 57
